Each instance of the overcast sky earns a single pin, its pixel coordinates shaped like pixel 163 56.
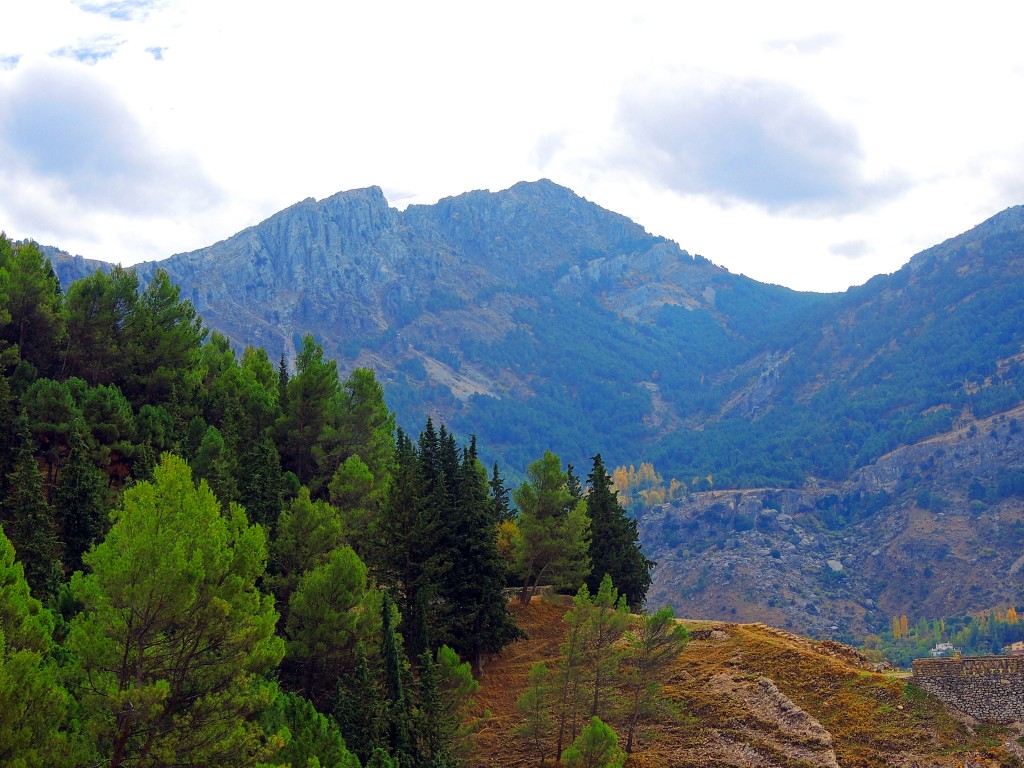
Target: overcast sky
pixel 808 144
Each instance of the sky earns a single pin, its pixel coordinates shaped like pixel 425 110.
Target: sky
pixel 813 145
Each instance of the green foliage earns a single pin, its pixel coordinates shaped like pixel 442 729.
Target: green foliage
pixel 174 634
pixel 649 651
pixel 615 543
pixel 306 411
pixel 596 747
pixel 35 730
pixel 310 738
pixel 30 519
pixel 330 614
pixel 554 530
pixel 535 705
pixel 307 532
pixel 80 503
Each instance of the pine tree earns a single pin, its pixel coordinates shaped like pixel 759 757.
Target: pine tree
pixel 30 519
pixel 614 542
pixel 649 652
pixel 331 612
pixel 79 500
pixel 185 681
pixel 259 482
pixel 596 747
pixel 535 705
pixel 608 620
pixel 34 707
pixel 399 739
pixel 309 735
pixel 405 550
pixel 554 529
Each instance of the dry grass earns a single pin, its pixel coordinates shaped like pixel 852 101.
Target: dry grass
pixel 750 695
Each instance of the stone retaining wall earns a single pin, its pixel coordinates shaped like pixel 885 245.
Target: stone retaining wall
pixel 988 688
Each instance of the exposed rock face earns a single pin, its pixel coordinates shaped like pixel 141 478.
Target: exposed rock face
pixel 787 569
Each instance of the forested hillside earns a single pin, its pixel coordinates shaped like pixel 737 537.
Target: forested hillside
pixel 212 559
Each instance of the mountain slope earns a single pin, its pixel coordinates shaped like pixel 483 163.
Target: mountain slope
pixel 530 316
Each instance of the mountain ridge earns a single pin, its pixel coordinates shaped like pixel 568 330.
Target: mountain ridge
pixel 536 319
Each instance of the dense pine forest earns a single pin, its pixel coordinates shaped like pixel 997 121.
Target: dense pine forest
pixel 210 559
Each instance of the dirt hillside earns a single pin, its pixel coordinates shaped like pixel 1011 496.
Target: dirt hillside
pixel 747 695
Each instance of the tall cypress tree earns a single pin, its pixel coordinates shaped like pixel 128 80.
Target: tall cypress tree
pixel 615 542
pixel 394 690
pixel 499 497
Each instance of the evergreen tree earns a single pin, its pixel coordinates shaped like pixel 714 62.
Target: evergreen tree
pixel 52 417
pixel 99 309
pixel 307 532
pixel 164 345
pixel 359 707
pixel 554 530
pixel 608 620
pixel 361 426
pixel 30 519
pixel 535 705
pixel 185 680
pixel 649 652
pixel 499 497
pixel 480 621
pixel 34 306
pixel 399 737
pixel 596 747
pixel 79 500
pixel 34 707
pixel 614 541
pixel 311 738
pixel 306 410
pixel 406 549
pixel 215 464
pixel 331 612
pixel 259 482
pixel 569 691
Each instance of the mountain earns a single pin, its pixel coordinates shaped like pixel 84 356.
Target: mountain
pixel 529 316
pixel 839 458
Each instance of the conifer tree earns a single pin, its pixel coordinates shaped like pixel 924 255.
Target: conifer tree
pixel 30 520
pixel 650 651
pixel 500 498
pixel 259 482
pixel 480 621
pixel 614 542
pixel 554 530
pixel 596 747
pixel 393 657
pixel 35 316
pixel 79 500
pixel 535 704
pixel 608 620
pixel 34 707
pixel 359 707
pixel 332 611
pixel 306 409
pixel 185 681
pixel 406 550
pixel 311 738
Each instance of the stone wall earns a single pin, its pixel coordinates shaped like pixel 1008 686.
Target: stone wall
pixel 988 688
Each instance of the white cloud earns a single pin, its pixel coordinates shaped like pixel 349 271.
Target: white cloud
pixel 761 135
